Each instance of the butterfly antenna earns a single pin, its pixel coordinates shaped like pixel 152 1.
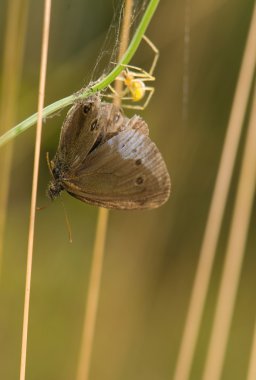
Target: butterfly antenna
pixel 49 163
pixel 67 222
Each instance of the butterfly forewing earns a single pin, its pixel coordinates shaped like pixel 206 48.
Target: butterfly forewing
pixel 80 131
pixel 112 118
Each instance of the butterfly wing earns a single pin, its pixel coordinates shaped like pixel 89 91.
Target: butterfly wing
pixel 126 172
pixel 80 131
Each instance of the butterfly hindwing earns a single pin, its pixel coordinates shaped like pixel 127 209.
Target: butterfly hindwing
pixel 127 171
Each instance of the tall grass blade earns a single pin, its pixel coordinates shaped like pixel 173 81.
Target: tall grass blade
pixel 12 66
pixel 217 207
pixel 43 67
pixel 99 244
pixel 234 255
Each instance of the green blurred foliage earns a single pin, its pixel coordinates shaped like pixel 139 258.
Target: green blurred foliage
pixel 151 256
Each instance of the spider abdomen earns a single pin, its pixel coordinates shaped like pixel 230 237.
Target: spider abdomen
pixel 137 90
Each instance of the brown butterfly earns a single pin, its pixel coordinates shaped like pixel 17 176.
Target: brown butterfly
pixel 108 160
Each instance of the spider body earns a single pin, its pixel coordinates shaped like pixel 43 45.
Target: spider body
pixel 136 87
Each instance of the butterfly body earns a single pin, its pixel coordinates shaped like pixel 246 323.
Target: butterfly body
pixel 108 160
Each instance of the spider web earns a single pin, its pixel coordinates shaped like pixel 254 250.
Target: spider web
pixel 108 55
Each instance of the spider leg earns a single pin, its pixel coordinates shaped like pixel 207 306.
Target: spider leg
pixel 155 59
pixel 114 93
pixel 143 77
pixel 150 91
pixel 156 53
pixel 138 73
pixel 112 89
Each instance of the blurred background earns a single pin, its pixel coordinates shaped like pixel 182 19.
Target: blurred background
pixel 151 256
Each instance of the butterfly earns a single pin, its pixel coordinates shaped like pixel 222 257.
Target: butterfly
pixel 108 160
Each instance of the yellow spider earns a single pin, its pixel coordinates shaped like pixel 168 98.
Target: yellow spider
pixel 134 79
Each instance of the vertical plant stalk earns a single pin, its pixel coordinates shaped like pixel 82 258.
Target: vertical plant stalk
pixel 44 55
pixel 251 374
pixel 99 244
pixel 124 41
pixel 234 255
pixel 186 62
pixel 12 65
pixel 217 207
pixel 93 297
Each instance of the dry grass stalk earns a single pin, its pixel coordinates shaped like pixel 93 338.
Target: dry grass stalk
pixel 43 67
pixel 124 41
pixel 12 65
pixel 99 244
pixel 251 375
pixel 215 216
pixel 234 255
pixel 93 297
